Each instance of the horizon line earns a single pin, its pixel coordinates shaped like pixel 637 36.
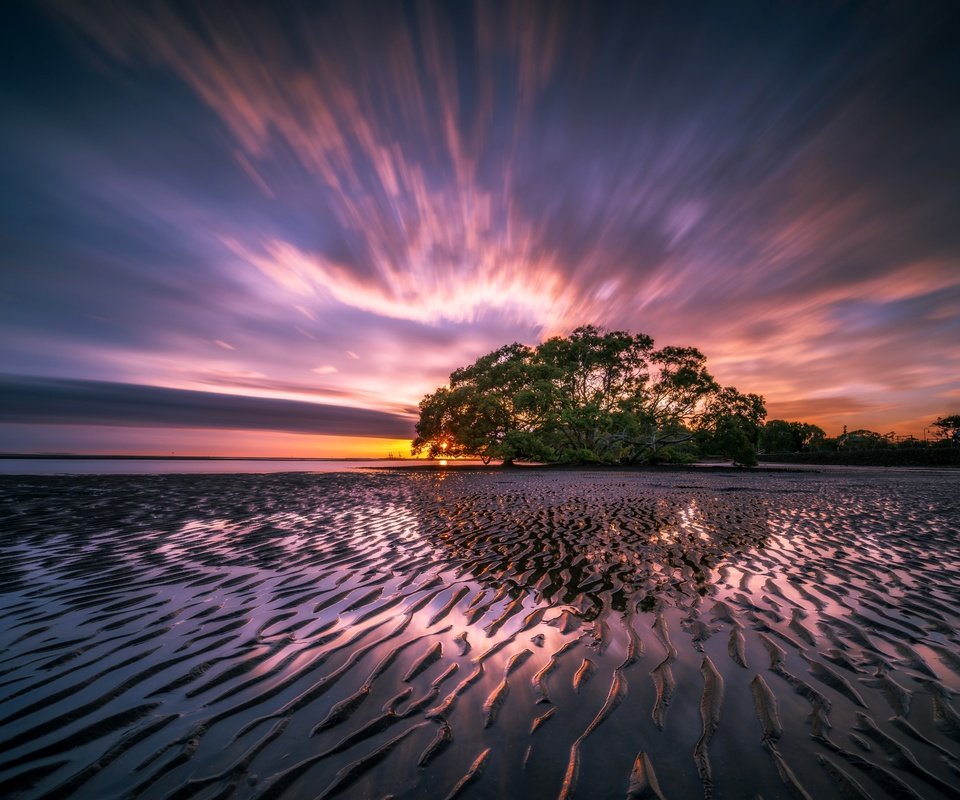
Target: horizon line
pixel 122 457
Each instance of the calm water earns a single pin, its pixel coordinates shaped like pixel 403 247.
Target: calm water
pixel 160 466
pixel 480 634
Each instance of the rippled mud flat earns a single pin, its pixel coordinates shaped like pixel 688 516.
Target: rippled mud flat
pixel 495 634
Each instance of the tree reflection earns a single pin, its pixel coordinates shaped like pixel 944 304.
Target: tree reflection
pixel 591 543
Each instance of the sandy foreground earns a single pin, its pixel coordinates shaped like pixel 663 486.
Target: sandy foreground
pixel 481 634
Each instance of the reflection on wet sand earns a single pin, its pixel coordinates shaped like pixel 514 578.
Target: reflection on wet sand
pixel 512 634
pixel 596 546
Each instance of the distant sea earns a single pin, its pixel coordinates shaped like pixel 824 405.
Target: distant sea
pixel 123 465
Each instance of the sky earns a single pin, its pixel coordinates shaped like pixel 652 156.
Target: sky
pixel 271 229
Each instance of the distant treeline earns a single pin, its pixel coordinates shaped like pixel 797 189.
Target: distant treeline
pixel 934 456
pixel 803 443
pixel 611 397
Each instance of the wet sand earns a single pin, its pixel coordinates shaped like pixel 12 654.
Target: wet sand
pixel 525 634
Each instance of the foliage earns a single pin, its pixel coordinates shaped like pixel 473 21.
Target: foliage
pixel 879 457
pixel 948 428
pixel 780 436
pixel 595 396
pixel 487 409
pixel 862 439
pixel 731 425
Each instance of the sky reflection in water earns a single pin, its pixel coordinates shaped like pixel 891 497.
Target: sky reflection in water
pixel 532 632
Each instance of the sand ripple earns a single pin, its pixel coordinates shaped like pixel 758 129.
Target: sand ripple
pixel 477 634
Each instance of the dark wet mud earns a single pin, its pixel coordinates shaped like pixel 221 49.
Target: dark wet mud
pixel 481 635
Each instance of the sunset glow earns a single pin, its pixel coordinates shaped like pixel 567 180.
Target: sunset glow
pixel 272 230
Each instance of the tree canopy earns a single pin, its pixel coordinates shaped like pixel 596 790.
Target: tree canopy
pixel 780 436
pixel 948 427
pixel 594 396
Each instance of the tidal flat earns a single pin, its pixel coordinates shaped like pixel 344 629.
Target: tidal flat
pixel 481 634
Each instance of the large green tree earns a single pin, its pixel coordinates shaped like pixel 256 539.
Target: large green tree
pixel 592 396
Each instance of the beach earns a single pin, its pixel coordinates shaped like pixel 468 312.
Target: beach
pixel 477 633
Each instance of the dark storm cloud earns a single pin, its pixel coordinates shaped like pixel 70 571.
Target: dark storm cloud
pixel 52 401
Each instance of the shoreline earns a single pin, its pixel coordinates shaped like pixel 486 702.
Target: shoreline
pixel 537 468
pixel 121 457
pixel 81 466
pixel 796 462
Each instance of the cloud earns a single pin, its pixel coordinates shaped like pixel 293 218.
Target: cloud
pixel 53 401
pixel 419 218
pixel 438 180
pixel 811 408
pixel 420 289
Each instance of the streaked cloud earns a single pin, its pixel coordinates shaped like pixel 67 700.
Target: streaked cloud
pixel 248 198
pixel 817 408
pixel 53 401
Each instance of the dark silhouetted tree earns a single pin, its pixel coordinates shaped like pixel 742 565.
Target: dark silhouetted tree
pixel 731 425
pixel 593 396
pixel 780 436
pixel 948 428
pixel 862 439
